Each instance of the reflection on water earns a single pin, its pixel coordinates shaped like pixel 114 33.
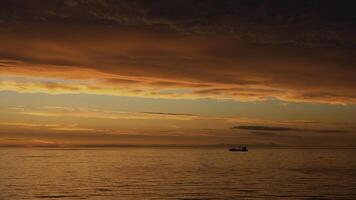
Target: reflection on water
pixel 176 173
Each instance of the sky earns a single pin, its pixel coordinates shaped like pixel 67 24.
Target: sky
pixel 178 72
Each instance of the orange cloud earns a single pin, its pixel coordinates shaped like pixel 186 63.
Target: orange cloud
pixel 50 127
pixel 103 114
pixel 101 60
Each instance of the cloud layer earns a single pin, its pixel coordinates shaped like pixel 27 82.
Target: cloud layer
pixel 252 51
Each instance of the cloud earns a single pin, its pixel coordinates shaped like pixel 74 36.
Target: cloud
pixel 29 125
pixel 169 50
pixel 51 127
pixel 265 128
pixel 30 142
pixel 41 141
pixel 330 131
pixel 168 122
pixel 82 112
pixel 266 22
pixel 104 114
pixel 209 76
pixel 248 123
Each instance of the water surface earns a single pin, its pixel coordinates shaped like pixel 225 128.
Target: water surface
pixel 176 173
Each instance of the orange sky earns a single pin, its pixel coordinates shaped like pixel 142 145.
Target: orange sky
pixel 81 77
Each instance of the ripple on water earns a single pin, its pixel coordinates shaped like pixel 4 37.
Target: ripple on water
pixel 130 174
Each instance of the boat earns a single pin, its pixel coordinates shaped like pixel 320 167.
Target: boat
pixel 241 148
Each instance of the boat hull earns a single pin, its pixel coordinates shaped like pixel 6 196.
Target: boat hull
pixel 238 150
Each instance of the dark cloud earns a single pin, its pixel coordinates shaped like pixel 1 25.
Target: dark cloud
pixel 311 23
pixel 265 128
pixel 164 113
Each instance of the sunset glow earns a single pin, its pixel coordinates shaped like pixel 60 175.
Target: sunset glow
pixel 103 75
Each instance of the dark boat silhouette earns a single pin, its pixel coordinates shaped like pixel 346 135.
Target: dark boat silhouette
pixel 241 148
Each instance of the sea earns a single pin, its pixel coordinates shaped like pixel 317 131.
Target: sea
pixel 177 173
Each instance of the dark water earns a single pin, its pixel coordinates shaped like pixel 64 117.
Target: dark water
pixel 176 173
